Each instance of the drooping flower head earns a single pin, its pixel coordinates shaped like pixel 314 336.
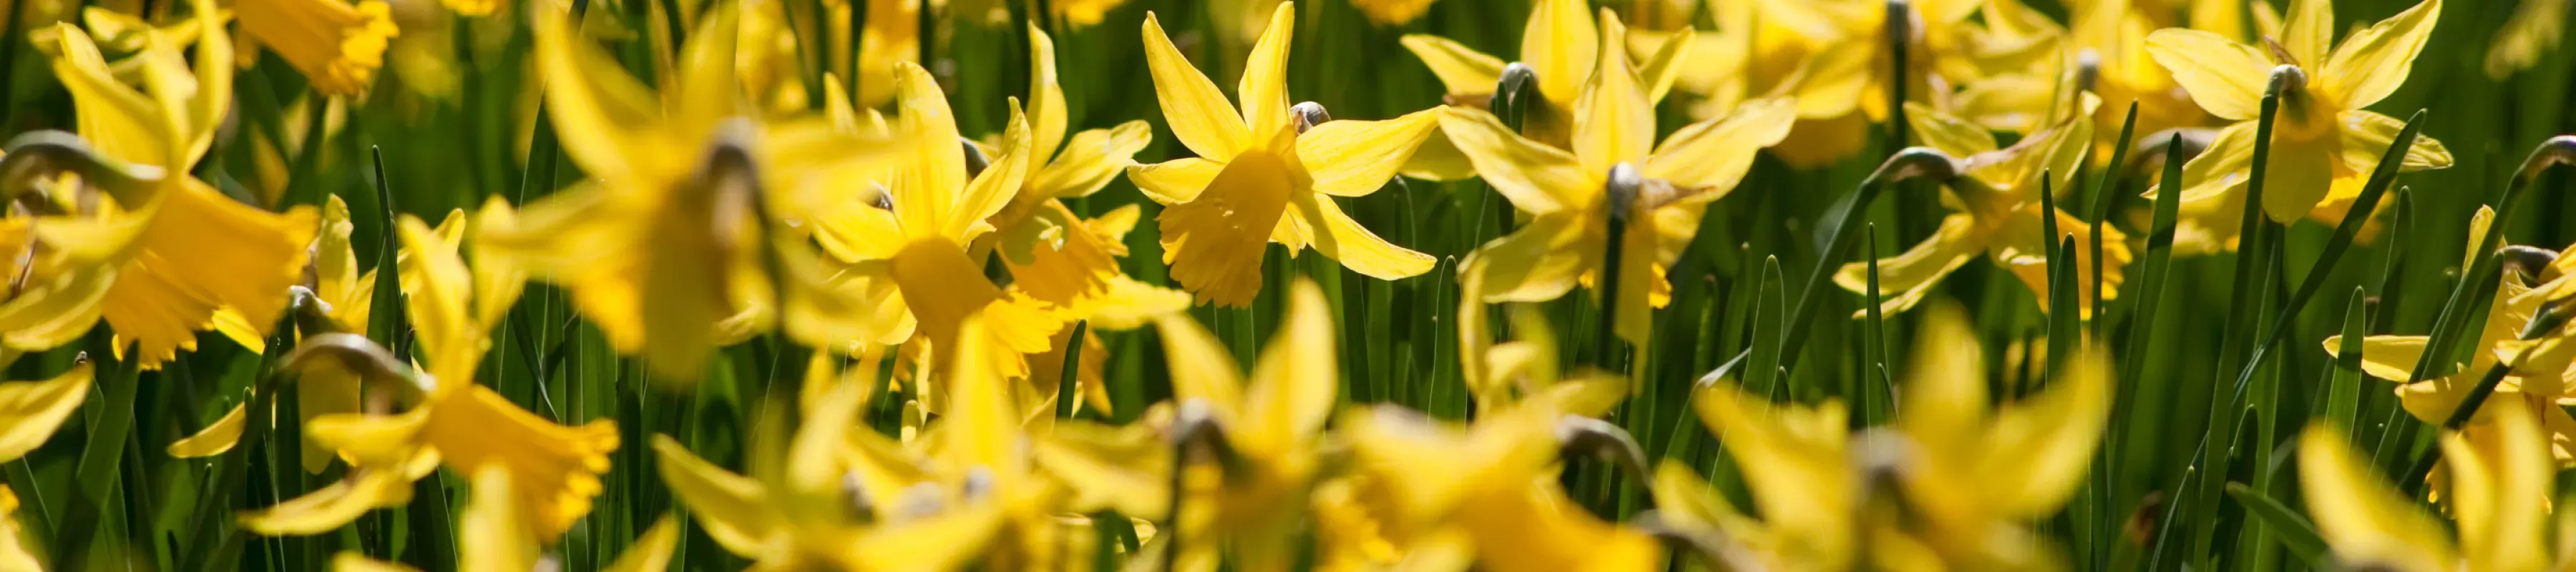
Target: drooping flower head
pixel 664 249
pixel 1261 178
pixel 1570 200
pixel 155 259
pixel 336 44
pixel 1999 213
pixel 2323 142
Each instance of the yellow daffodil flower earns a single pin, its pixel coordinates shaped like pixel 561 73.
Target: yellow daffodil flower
pixel 2393 357
pixel 14 554
pixel 1568 196
pixel 1490 490
pixel 1050 252
pixel 892 36
pixel 1267 429
pixel 920 242
pixel 157 261
pixel 814 510
pixel 1562 45
pixel 2322 139
pixel 1259 178
pixel 2530 34
pixel 663 249
pixel 2499 493
pixel 337 45
pixel 1969 479
pixel 347 298
pixel 453 421
pixel 492 536
pixel 1997 197
pixel 1122 303
pixel 2114 34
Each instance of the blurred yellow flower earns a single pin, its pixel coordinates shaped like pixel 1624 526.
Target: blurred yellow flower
pixel 492 536
pixel 1568 197
pixel 2499 492
pixel 2322 137
pixel 337 45
pixel 2532 32
pixel 1490 491
pixel 452 419
pixel 1561 44
pixel 155 260
pixel 1392 12
pixel 1999 213
pixel 663 249
pixel 1968 479
pixel 843 497
pixel 1265 176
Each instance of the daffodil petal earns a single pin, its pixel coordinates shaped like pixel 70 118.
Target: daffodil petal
pixel 2367 135
pixel 215 439
pixel 1463 70
pixel 2359 515
pixel 1711 156
pixel 1215 242
pixel 2307 31
pixel 2224 77
pixel 1091 159
pixel 1263 89
pixel 1353 158
pixel 1540 261
pixel 600 110
pixel 732 509
pixel 1345 241
pixel 1614 121
pixel 1198 114
pixel 1046 97
pixel 2371 63
pixel 1176 181
pixel 1911 275
pixel 2043 445
pixel 1538 179
pixel 1560 44
pixel 2300 173
pixel 33 410
pixel 1951 135
pixel 1201 368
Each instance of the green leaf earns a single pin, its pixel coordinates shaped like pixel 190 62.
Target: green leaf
pixel 2294 531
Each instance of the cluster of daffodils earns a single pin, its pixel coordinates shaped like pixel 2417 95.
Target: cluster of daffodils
pixel 730 196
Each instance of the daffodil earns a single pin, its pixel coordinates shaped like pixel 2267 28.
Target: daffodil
pixel 2113 34
pixel 892 36
pixel 1261 178
pixel 663 250
pixel 493 536
pixel 451 420
pixel 1562 46
pixel 2530 34
pixel 337 45
pixel 1259 438
pixel 156 259
pixel 14 554
pixel 844 498
pixel 2499 492
pixel 1968 479
pixel 2536 379
pixel 1490 490
pixel 1122 303
pixel 1569 199
pixel 1997 196
pixel 2322 139
pixel 347 297
pixel 920 241
pixel 1052 253
pixel 1833 58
